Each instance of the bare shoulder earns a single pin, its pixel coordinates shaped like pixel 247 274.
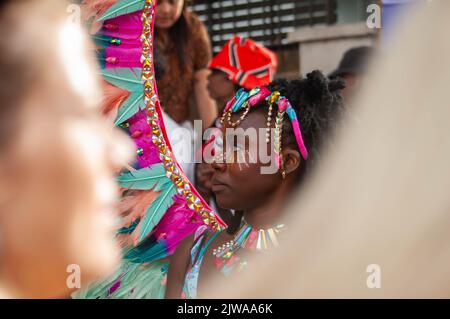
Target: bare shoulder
pixel 179 263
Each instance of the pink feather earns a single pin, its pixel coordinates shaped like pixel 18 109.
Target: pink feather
pixel 142 137
pixel 125 27
pixel 124 56
pixel 179 222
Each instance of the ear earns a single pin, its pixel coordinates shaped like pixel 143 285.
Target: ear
pixel 291 160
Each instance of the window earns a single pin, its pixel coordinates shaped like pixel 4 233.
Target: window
pixel 265 21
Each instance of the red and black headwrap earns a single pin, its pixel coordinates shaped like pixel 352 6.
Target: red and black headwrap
pixel 246 62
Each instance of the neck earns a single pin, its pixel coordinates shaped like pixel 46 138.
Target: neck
pixel 269 214
pixel 162 36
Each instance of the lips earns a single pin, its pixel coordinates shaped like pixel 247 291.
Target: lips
pixel 218 186
pixel 164 21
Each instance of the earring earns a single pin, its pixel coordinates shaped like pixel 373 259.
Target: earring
pixel 278 135
pixel 282 167
pixel 269 120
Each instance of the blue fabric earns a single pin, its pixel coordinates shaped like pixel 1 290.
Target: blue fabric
pixel 191 279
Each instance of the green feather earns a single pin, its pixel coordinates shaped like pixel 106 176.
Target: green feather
pixel 123 7
pixel 128 79
pixel 139 282
pixel 148 283
pixel 127 110
pixel 129 229
pixel 102 41
pixel 158 208
pixel 143 179
pixel 100 289
pixel 154 178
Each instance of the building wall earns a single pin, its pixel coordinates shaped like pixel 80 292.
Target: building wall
pixel 352 11
pixel 321 47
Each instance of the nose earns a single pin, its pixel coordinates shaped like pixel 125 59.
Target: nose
pixel 219 163
pixel 164 8
pixel 210 77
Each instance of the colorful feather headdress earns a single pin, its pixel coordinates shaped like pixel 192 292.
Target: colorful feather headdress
pixel 167 207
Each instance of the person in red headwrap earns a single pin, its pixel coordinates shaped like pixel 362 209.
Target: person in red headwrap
pixel 241 63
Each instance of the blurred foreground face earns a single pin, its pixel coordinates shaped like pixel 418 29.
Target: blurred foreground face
pixel 56 169
pixel 168 12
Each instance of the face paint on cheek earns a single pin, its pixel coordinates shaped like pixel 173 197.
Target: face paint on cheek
pixel 243 158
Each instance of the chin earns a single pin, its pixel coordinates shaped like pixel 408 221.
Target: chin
pixel 225 202
pixel 165 25
pixel 222 201
pixel 213 94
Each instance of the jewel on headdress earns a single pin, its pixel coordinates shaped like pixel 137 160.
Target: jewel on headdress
pixel 269 122
pixel 274 97
pixel 262 94
pixel 112 60
pixel 253 92
pixel 125 125
pixel 241 98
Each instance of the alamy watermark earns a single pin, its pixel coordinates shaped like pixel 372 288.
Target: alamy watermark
pixel 373 281
pixel 73 281
pixel 225 146
pixel 374 19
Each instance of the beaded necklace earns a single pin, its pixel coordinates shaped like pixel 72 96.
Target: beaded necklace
pixel 249 238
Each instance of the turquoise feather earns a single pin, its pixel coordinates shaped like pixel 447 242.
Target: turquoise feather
pixel 123 7
pixel 102 41
pixel 136 282
pixel 128 79
pixel 153 177
pixel 149 282
pixel 147 251
pixel 143 179
pixel 101 288
pixel 129 229
pixel 158 208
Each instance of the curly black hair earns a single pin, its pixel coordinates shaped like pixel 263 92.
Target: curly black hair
pixel 318 105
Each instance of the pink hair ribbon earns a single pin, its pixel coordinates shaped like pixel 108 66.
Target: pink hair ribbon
pixel 297 132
